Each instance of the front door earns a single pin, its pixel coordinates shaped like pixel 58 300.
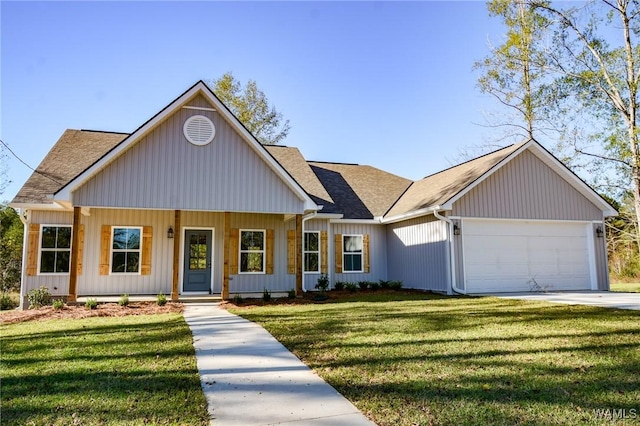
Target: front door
pixel 197 261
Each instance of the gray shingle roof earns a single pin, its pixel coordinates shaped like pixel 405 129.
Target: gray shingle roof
pixel 75 151
pixel 437 189
pixel 293 162
pixel 359 192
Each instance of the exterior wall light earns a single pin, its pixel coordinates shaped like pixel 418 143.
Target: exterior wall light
pixel 170 232
pixel 599 232
pixel 456 228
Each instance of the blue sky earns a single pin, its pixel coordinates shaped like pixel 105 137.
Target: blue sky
pixel 386 84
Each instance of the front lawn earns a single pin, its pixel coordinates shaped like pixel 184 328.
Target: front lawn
pixel 423 360
pixel 626 287
pixel 130 370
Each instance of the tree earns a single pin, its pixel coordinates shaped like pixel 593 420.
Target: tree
pixel 251 106
pixel 514 71
pixel 11 233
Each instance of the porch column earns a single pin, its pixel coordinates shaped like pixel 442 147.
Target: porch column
pixel 175 293
pixel 225 250
pixel 299 255
pixel 73 269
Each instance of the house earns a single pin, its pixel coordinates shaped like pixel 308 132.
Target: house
pixel 191 203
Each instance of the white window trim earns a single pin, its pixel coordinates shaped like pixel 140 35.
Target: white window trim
pixel 344 253
pixel 55 274
pixel 304 252
pixel 119 274
pixel 263 251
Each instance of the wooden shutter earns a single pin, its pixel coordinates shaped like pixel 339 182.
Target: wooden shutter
pixel 32 249
pixel 80 248
pixel 105 243
pixel 365 252
pixel 147 239
pixel 324 258
pixel 269 252
pixel 234 240
pixel 291 251
pixel 338 252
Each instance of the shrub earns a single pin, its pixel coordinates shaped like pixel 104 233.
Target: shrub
pixel 266 295
pixel 374 286
pixel 351 287
pixel 339 285
pixel 91 304
pixel 363 285
pixel 395 285
pixel 323 283
pixel 124 300
pixel 237 299
pixel 7 302
pixel 384 284
pixel 291 294
pixel 58 304
pixel 39 297
pixel 161 300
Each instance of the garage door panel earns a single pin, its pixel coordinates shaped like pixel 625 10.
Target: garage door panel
pixel 506 255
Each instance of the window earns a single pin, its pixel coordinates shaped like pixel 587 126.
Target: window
pixel 252 251
pixel 125 250
pixel 55 249
pixel 352 253
pixel 311 252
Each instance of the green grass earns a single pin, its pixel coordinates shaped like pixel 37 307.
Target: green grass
pixel 409 360
pixel 130 370
pixel 626 287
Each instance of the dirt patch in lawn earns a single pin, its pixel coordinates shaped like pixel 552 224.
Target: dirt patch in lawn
pixel 77 312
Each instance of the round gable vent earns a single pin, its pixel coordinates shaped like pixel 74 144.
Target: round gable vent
pixel 199 130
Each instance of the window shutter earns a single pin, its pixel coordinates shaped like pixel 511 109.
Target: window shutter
pixel 80 247
pixel 32 249
pixel 338 252
pixel 269 251
pixel 147 239
pixel 324 266
pixel 291 251
pixel 105 242
pixel 233 251
pixel 365 252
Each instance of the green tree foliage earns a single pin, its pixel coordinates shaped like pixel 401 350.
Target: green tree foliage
pixel 251 106
pixel 11 234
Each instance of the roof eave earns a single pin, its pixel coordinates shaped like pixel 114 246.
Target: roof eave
pixel 414 214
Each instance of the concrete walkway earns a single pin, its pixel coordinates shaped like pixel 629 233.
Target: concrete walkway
pixel 603 299
pixel 249 378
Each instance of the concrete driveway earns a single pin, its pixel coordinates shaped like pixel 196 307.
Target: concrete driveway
pixel 604 299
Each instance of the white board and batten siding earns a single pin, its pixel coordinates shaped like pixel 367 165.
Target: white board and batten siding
pixel 418 253
pixel 377 252
pixel 164 171
pixel 526 196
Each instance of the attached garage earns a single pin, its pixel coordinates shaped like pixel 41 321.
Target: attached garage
pixel 507 255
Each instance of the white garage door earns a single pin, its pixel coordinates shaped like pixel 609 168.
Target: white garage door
pixel 503 256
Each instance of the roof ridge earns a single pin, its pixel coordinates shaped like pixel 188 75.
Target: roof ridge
pixel 335 162
pixel 103 131
pixel 475 159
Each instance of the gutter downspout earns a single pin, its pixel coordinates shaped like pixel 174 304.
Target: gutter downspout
pixel 451 254
pixel 25 219
pixel 304 219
